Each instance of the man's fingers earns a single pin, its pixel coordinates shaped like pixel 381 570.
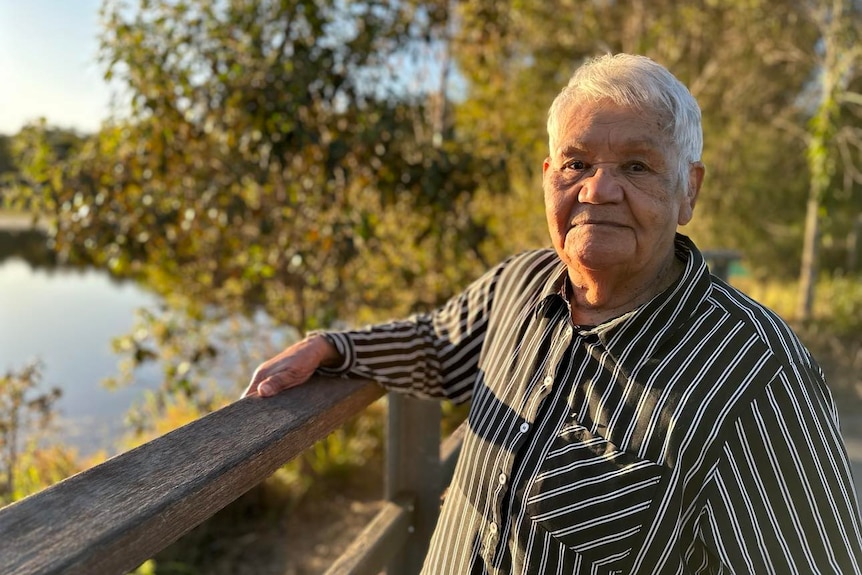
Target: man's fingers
pixel 292 367
pixel 277 383
pixel 276 378
pixel 268 388
pixel 265 388
pixel 257 378
pixel 251 389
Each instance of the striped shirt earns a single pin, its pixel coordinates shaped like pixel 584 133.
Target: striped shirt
pixel 694 434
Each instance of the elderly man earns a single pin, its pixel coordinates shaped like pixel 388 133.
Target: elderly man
pixel 630 412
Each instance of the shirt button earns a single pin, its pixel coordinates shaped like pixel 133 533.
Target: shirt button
pixel 492 528
pixel 525 427
pixel 548 381
pixel 502 478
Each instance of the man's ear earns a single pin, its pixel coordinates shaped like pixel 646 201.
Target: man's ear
pixel 696 172
pixel 545 165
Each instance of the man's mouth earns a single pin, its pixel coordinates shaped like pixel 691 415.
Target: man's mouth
pixel 597 223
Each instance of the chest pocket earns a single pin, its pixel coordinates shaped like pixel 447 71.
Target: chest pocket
pixel 593 498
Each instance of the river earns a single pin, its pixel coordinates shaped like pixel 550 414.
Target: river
pixel 66 318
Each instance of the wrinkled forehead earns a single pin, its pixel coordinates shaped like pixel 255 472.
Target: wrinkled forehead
pixel 595 125
pixel 580 102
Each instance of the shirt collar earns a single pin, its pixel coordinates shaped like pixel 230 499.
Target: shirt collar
pixel 629 338
pixel 553 290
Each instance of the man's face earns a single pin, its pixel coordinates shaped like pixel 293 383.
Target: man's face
pixel 613 198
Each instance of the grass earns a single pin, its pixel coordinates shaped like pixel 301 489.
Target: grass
pixel 834 333
pixel 838 300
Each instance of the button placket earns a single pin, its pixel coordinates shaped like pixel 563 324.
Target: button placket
pixel 539 393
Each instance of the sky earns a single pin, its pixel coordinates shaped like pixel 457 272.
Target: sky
pixel 48 65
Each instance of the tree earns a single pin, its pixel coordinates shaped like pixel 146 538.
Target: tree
pixel 33 154
pixel 273 157
pixel 25 413
pixel 267 144
pixel 840 52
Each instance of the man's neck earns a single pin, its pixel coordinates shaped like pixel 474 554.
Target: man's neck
pixel 598 296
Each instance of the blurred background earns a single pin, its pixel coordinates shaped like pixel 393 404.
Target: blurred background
pixel 186 186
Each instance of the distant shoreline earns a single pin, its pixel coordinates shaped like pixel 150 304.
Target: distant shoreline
pixel 20 222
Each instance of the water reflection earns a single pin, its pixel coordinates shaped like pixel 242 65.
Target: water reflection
pixel 66 317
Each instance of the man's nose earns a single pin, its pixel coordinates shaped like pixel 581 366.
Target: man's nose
pixel 601 186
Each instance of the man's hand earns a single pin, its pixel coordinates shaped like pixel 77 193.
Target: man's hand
pixel 292 367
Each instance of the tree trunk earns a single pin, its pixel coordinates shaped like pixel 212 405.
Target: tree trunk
pixel 810 257
pixel 853 246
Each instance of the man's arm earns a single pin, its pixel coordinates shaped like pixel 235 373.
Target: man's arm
pixel 432 355
pixel 293 366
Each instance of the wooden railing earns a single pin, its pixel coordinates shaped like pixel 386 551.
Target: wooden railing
pixel 113 517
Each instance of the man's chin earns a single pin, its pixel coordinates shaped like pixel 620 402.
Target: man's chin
pixel 597 263
pixel 597 256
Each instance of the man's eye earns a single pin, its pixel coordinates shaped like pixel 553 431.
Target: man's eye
pixel 637 167
pixel 575 165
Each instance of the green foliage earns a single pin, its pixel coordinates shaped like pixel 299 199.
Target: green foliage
pixel 185 346
pixel 28 165
pixel 839 56
pixel 39 466
pixel 837 309
pixel 453 415
pixel 259 167
pixel 147 568
pixel 352 446
pixel 271 159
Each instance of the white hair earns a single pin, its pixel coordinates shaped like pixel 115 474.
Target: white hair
pixel 639 83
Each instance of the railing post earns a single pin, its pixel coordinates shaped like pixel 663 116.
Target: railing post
pixel 413 466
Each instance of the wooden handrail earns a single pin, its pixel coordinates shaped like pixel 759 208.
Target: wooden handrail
pixel 116 515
